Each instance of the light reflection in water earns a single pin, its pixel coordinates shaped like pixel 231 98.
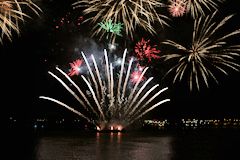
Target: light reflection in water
pixel 105 146
pixel 114 137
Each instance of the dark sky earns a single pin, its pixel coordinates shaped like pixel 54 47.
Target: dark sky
pixel 40 47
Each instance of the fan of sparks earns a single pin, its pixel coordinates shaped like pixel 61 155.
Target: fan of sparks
pixel 11 12
pixel 208 52
pixel 114 100
pixel 131 13
pixel 196 8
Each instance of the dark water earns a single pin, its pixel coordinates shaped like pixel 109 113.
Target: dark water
pixel 105 146
pixel 184 145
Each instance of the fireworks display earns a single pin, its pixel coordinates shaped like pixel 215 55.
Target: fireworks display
pixel 11 12
pixel 113 103
pixel 144 50
pixel 208 51
pixel 198 46
pixel 142 13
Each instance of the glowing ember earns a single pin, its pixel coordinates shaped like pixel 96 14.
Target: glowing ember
pixel 67 20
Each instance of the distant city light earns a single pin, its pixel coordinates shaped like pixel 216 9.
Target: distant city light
pixel 184 123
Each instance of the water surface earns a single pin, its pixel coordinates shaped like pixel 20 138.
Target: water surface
pixel 187 145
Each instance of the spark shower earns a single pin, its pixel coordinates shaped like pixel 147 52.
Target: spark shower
pixel 114 101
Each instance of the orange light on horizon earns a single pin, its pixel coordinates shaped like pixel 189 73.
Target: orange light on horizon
pixel 98 128
pixel 111 128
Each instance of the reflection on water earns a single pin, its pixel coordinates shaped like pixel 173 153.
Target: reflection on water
pixel 105 146
pixel 192 145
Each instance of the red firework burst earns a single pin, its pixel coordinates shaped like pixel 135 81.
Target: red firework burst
pixel 135 76
pixel 144 50
pixel 75 67
pixel 177 8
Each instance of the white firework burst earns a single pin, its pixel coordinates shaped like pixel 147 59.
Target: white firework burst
pixel 208 52
pixel 114 103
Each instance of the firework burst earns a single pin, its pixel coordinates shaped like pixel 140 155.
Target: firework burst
pixel 135 76
pixel 113 103
pixel 75 67
pixel 177 8
pixel 196 7
pixel 144 50
pixel 111 29
pixel 11 13
pixel 208 51
pixel 141 13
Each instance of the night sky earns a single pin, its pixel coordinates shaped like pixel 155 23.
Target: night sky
pixel 41 46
